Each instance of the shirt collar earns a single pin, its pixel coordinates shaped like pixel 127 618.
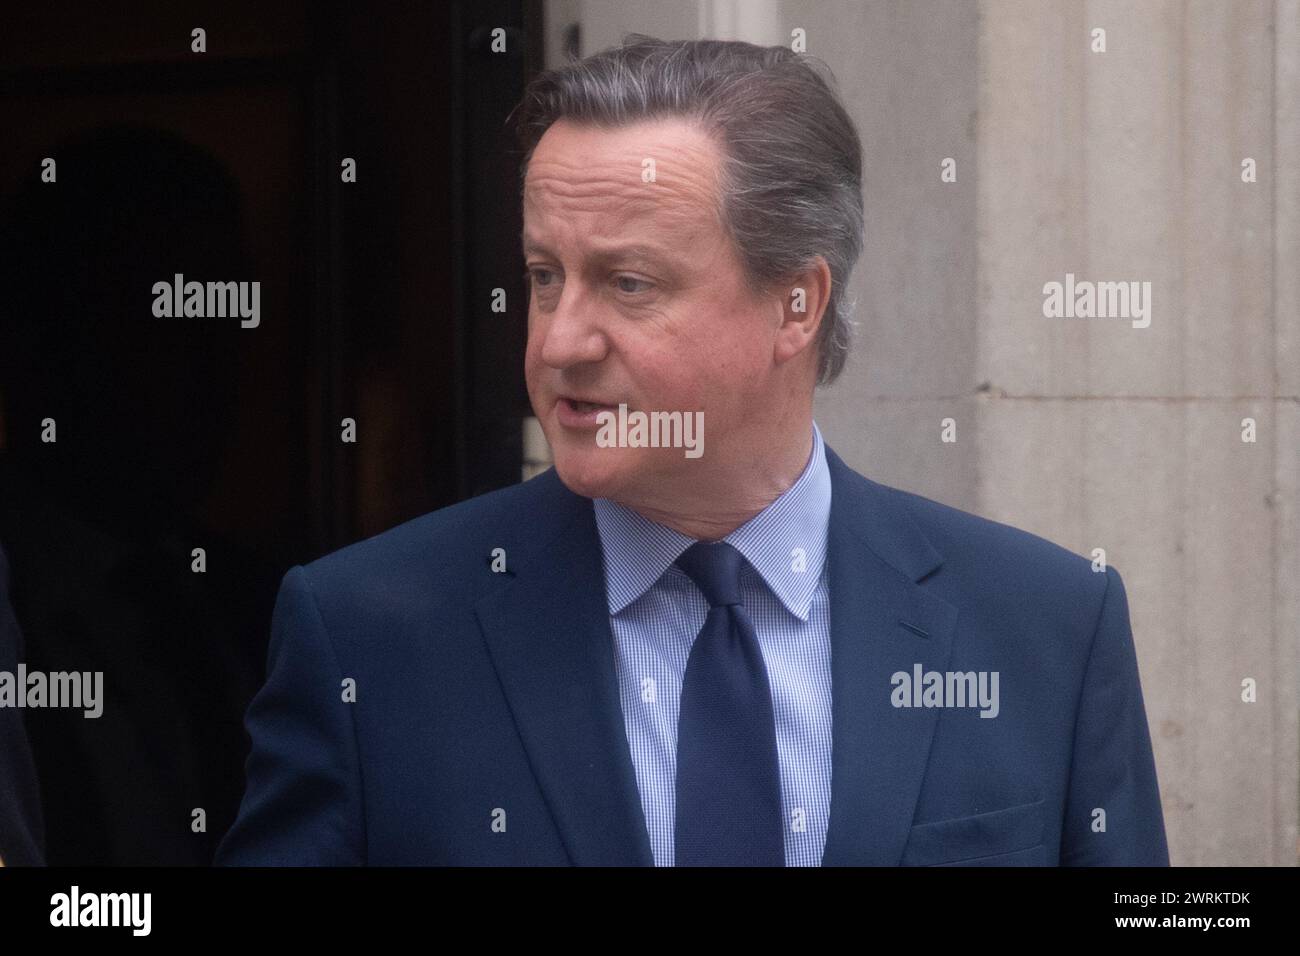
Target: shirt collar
pixel 785 542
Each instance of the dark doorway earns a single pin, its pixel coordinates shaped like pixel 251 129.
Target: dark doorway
pixel 177 433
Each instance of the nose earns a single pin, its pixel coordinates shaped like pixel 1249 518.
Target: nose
pixel 573 332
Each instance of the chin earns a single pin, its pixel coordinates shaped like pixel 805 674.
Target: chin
pixel 594 472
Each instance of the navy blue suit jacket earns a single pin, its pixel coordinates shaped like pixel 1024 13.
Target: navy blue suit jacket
pixel 487 726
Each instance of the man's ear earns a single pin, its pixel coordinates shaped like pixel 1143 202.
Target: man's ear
pixel 804 298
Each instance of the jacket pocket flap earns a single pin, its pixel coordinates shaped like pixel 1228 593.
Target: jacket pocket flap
pixel 984 834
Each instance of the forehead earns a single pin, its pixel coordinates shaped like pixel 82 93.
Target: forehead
pixel 662 174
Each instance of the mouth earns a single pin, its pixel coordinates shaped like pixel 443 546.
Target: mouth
pixel 579 413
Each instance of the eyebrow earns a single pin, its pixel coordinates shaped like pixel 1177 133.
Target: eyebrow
pixel 639 250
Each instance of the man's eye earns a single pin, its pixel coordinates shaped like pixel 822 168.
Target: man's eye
pixel 622 287
pixel 538 276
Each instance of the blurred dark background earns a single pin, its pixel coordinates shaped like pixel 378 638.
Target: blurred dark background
pixel 182 433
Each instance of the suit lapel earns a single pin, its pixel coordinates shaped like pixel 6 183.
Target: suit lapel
pixel 548 634
pixel 878 752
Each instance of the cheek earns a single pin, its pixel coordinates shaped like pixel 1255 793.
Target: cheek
pixel 533 347
pixel 679 378
pixel 684 364
pixel 730 351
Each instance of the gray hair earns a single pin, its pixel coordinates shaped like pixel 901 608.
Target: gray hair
pixel 791 177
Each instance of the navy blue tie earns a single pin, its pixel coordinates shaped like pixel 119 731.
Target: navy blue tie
pixel 728 778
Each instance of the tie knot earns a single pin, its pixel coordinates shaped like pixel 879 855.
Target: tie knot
pixel 714 566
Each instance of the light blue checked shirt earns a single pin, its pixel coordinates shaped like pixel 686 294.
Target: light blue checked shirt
pixel 655 612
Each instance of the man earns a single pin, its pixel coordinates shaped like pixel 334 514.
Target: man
pixel 22 830
pixel 725 646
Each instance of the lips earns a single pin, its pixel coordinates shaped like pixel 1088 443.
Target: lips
pixel 581 413
pixel 585 404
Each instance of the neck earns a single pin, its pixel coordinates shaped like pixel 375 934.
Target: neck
pixel 709 510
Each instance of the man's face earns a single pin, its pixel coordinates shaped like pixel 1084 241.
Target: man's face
pixel 638 298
